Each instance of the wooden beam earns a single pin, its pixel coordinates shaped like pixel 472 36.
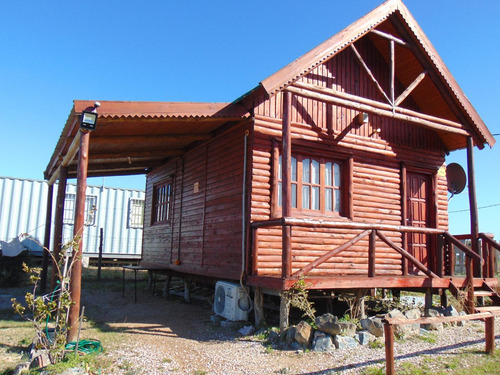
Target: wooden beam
pixel 376 104
pixel 407 255
pixel 392 83
pixel 136 154
pixel 68 158
pixel 381 112
pixel 331 254
pixel 312 223
pixel 410 88
pixel 76 270
pixel 389 37
pixel 113 139
pixel 46 240
pixel 286 190
pixel 58 222
pixel 369 72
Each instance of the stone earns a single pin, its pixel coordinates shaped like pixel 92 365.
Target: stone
pixel 322 342
pixel 347 329
pixel 461 323
pixel 364 337
pixel 247 330
pixel 450 311
pixel 296 346
pixel 290 335
pixel 303 333
pixel 412 329
pixel 433 326
pixel 343 342
pixel 423 332
pixel 373 325
pixel 328 324
pixel 22 368
pixel 216 319
pixel 233 326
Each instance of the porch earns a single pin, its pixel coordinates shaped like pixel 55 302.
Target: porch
pixel 381 258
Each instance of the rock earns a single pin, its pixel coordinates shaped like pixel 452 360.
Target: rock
pixel 347 329
pixel 403 329
pixel 461 323
pixel 423 332
pixel 395 314
pixel 322 342
pixel 364 337
pixel 303 333
pixel 433 326
pixel 247 330
pixel 373 325
pixel 234 326
pixel 343 342
pixel 412 314
pixel 22 368
pixel 296 346
pixel 450 311
pixel 216 319
pixel 328 324
pixel 272 336
pixel 412 329
pixel 290 335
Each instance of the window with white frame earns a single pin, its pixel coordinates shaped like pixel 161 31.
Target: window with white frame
pixel 316 184
pixel 90 209
pixel 135 213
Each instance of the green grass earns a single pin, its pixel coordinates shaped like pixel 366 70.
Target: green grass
pixel 467 363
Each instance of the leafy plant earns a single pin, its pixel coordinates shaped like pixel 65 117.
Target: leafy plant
pixel 298 296
pixel 40 310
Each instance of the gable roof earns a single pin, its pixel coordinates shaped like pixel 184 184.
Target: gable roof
pixel 398 13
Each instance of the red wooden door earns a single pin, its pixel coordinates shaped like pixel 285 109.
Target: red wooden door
pixel 417 215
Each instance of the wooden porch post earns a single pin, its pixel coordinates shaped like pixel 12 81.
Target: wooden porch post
pixel 58 222
pixel 286 197
pixel 76 272
pixel 286 190
pixel 473 269
pixel 46 240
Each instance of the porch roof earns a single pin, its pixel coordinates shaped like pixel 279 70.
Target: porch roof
pixel 132 137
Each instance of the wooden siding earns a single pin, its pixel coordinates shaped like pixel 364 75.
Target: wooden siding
pixel 204 236
pixel 378 157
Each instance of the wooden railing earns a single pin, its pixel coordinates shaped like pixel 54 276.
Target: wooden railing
pixel 443 252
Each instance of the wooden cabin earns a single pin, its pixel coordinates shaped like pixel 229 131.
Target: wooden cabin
pixel 332 169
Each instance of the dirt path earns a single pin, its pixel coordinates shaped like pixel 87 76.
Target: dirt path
pixel 157 336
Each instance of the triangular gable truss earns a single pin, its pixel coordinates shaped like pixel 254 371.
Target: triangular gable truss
pixel 392 24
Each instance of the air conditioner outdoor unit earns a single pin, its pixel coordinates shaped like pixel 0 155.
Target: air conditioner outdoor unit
pixel 231 301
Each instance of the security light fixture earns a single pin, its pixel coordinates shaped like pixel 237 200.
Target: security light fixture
pixel 89 117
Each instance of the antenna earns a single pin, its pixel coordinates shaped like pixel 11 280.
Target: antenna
pixel 457 180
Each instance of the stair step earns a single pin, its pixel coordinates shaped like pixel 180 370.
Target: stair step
pixel 487 308
pixel 483 293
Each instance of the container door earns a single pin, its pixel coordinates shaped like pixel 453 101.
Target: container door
pixel 417 205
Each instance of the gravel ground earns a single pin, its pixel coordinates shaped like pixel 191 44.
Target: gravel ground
pixel 161 337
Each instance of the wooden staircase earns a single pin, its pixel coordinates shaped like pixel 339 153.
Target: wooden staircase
pixel 485 291
pixel 480 293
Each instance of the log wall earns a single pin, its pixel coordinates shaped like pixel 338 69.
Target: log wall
pixel 204 235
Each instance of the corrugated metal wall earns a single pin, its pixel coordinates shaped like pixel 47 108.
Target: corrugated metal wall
pixel 23 210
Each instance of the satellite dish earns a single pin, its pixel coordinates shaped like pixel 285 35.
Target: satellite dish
pixel 455 175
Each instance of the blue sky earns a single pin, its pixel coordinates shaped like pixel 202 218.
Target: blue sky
pixel 52 52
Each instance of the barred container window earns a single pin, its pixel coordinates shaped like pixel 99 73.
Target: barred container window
pixel 135 213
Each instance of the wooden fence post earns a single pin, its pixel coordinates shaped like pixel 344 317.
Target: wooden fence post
pixel 489 333
pixel 389 349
